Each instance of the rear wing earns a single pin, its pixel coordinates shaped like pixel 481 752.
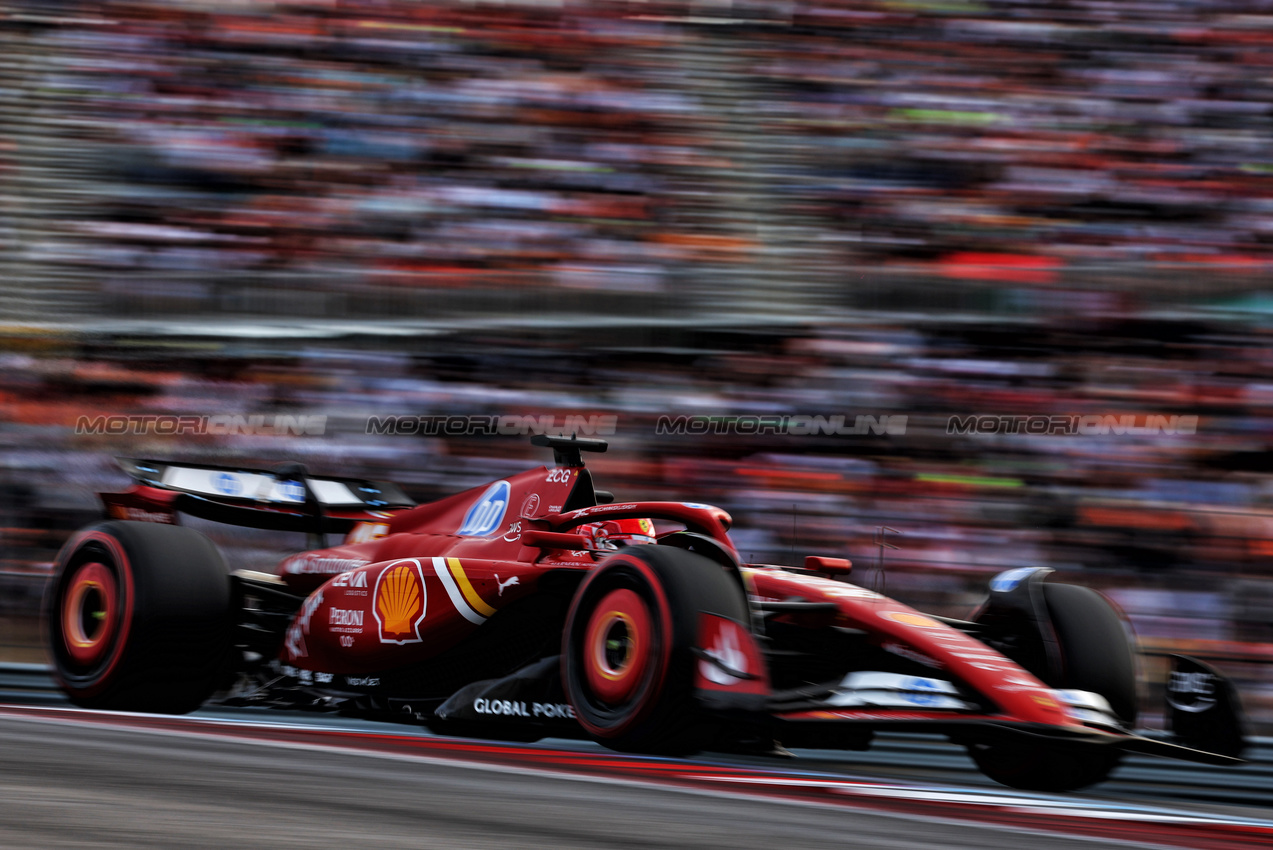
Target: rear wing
pixel 286 498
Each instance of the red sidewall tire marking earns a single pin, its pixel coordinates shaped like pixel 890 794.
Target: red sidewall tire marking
pixel 663 614
pixel 614 683
pixel 125 600
pixel 90 578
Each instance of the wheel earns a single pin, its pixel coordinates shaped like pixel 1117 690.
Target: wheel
pixel 137 617
pixel 1096 655
pixel 627 654
pixel 1044 767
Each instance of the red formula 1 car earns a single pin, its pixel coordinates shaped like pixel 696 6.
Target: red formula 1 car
pixel 537 606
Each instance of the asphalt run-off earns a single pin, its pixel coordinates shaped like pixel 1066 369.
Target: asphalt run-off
pixel 932 804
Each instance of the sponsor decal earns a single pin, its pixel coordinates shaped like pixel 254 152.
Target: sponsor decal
pixel 486 514
pixel 1015 682
pixel 514 532
pixel 698 506
pixel 366 531
pixel 601 509
pixel 850 714
pixel 1191 692
pixel 1008 581
pixel 729 658
pixel 321 565
pixel 400 602
pixel 362 681
pixel 460 590
pixel 925 693
pixel 295 641
pixel 507 708
pixel 976 655
pixel 518 708
pixel 292 491
pixel 503 584
pixel 554 710
pixel 344 617
pixel 843 590
pixel 345 620
pixel 724 649
pixel 880 689
pixel 530 505
pixel 351 581
pixel 911 655
pixel 140 515
pixel 228 483
pixel 909 619
pixel 323 678
pixel 959 645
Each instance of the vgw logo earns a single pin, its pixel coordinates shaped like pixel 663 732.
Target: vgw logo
pixel 487 513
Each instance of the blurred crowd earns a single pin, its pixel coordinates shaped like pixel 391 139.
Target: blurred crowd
pixel 636 146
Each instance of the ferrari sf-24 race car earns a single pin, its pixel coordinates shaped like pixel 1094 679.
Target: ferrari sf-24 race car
pixel 538 606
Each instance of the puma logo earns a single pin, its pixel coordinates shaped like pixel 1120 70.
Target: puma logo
pixel 503 584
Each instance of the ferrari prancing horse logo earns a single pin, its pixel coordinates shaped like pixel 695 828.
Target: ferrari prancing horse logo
pixel 400 602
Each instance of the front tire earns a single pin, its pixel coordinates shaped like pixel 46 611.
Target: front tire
pixel 137 617
pixel 1096 653
pixel 627 655
pixel 1044 767
pixel 1097 656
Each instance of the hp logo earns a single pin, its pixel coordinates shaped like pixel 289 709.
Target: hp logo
pixel 487 513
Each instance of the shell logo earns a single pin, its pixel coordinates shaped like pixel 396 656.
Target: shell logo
pixel 909 619
pixel 400 602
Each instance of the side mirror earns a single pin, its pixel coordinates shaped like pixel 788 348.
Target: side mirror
pixel 828 566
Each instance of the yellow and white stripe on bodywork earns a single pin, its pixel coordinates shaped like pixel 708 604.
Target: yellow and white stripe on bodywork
pixel 465 599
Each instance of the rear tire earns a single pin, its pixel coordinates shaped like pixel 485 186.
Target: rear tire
pixel 1096 655
pixel 627 660
pixel 137 617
